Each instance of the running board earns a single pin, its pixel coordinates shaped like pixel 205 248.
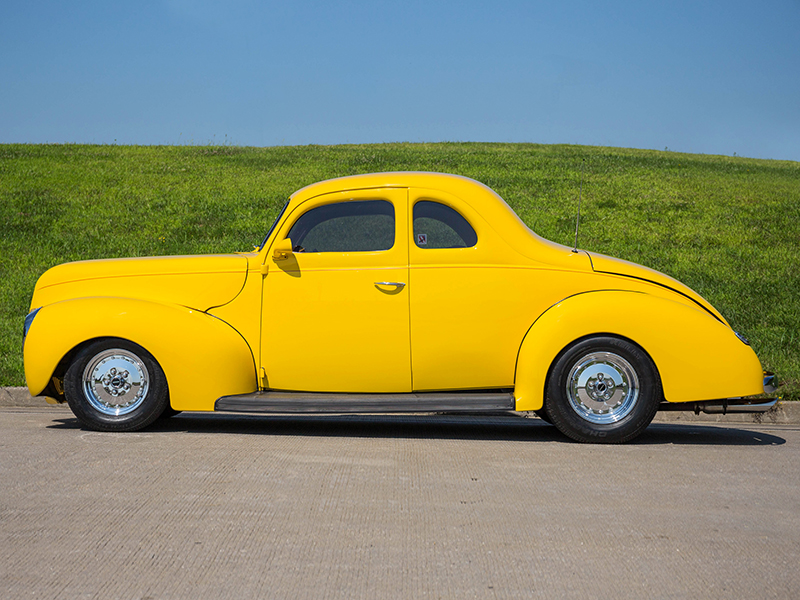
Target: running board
pixel 305 402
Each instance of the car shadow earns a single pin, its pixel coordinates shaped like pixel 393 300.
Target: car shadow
pixel 708 434
pixel 478 427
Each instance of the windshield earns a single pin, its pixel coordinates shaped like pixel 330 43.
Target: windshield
pixel 274 224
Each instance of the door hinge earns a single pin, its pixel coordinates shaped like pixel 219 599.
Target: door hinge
pixel 264 382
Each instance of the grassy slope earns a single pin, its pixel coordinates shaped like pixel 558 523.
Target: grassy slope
pixel 728 227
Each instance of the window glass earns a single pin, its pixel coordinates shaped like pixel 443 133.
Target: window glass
pixel 362 226
pixel 439 226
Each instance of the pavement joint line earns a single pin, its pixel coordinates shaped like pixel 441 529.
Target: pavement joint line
pixel 787 413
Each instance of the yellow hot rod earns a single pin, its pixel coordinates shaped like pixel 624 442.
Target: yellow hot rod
pixel 392 292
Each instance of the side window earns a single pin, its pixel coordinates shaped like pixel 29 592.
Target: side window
pixel 439 226
pixel 361 226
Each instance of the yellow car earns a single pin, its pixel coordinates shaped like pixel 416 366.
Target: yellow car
pixel 392 292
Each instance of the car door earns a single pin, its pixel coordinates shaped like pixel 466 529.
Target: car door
pixel 335 311
pixel 468 317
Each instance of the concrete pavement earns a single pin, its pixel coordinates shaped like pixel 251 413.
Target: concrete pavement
pixel 783 413
pixel 233 506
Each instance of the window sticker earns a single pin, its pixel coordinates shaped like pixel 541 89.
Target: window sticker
pixel 422 239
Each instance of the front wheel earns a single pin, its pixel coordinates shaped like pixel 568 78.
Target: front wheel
pixel 603 390
pixel 113 384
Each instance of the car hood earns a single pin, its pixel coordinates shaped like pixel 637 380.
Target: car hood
pixel 199 282
pixel 616 266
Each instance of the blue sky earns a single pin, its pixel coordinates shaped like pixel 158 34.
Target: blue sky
pixel 702 76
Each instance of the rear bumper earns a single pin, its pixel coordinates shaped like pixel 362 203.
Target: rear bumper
pixel 730 405
pixel 770 383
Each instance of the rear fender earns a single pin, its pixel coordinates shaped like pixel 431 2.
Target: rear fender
pixel 697 357
pixel 203 357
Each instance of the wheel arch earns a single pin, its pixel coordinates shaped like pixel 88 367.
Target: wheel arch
pixel 690 350
pixel 600 334
pixel 55 386
pixel 203 357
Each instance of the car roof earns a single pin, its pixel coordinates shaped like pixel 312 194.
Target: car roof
pixel 482 198
pixel 421 179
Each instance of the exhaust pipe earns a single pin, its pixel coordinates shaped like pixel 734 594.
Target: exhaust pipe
pixel 723 407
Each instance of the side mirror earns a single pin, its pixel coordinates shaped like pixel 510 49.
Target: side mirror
pixel 282 250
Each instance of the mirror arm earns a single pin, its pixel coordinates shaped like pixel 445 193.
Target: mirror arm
pixel 282 250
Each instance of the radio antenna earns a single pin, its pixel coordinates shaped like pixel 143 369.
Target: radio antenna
pixel 578 220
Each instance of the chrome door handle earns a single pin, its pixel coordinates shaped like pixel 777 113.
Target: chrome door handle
pixel 394 283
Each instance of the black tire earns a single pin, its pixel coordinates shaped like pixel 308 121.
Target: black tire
pixel 168 413
pixel 542 414
pixel 113 384
pixel 603 390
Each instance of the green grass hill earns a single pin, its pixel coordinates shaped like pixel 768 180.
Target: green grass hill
pixel 729 227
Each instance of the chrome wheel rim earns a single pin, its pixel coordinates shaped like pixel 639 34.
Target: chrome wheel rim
pixel 602 387
pixel 115 382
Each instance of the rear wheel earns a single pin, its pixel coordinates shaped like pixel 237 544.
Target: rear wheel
pixel 603 390
pixel 168 413
pixel 113 384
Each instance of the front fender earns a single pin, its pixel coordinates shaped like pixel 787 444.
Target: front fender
pixel 203 357
pixel 697 357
